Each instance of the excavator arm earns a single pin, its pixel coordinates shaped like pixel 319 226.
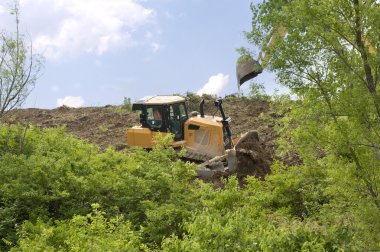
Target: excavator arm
pixel 247 68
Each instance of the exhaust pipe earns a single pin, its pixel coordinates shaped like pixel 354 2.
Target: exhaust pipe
pixel 201 108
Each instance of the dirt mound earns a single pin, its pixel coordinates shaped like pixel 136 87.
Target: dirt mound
pixel 252 156
pixel 106 126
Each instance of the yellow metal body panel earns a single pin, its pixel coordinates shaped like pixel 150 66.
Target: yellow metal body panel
pixel 141 137
pixel 207 141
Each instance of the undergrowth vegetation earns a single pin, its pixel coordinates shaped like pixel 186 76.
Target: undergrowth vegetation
pixel 58 193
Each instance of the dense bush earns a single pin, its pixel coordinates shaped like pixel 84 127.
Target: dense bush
pixel 280 214
pixel 47 176
pixel 92 232
pixel 61 193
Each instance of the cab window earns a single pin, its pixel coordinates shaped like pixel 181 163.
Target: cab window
pixel 177 116
pixel 154 116
pixel 182 111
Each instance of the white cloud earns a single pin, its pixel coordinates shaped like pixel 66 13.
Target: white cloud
pixel 71 101
pixel 215 84
pixel 71 27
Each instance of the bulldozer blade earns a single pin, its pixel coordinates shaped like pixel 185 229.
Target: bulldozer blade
pixel 205 173
pixel 232 160
pixel 246 158
pixel 212 167
pixel 247 68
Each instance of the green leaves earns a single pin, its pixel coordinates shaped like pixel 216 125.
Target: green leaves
pixel 92 232
pixel 47 176
pixel 60 193
pixel 330 60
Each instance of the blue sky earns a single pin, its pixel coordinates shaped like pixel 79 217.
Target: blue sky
pixel 99 51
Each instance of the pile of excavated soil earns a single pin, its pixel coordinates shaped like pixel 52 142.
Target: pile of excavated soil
pixel 106 126
pixel 252 156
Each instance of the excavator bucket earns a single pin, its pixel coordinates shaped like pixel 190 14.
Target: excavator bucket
pixel 247 68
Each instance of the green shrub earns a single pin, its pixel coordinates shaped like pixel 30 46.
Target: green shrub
pixel 93 232
pixel 55 177
pixel 49 183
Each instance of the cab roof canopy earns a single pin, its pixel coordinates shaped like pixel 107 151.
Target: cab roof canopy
pixel 157 100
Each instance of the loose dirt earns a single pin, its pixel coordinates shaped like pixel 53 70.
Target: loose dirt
pixel 103 126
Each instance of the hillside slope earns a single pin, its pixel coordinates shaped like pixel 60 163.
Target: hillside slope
pixel 106 126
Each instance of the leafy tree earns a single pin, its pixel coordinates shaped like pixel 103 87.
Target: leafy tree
pixel 127 103
pixel 328 54
pixel 257 92
pixel 19 67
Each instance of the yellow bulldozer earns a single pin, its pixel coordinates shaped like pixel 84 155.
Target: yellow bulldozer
pixel 207 139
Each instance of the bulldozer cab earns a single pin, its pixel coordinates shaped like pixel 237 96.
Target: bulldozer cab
pixel 163 114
